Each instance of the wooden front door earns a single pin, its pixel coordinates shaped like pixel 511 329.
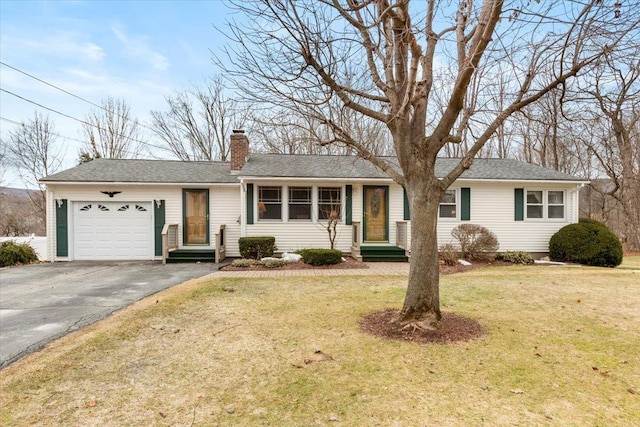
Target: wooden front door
pixel 376 224
pixel 196 217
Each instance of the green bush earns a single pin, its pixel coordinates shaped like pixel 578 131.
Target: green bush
pixel 12 253
pixel 257 247
pixel 321 256
pixel 476 241
pixel 274 263
pixel 592 222
pixel 515 257
pixel 244 262
pixel 588 242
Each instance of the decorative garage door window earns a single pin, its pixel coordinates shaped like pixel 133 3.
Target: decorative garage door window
pixel 112 230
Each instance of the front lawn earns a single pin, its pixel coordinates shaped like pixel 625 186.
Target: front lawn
pixel 563 348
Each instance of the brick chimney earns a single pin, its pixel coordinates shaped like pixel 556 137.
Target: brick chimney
pixel 239 148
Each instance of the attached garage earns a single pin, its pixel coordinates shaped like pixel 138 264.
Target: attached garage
pixel 112 230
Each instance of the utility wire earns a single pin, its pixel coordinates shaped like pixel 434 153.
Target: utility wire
pixel 69 93
pixel 4 119
pixel 76 119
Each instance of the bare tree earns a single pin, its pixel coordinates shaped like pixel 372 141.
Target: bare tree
pixel 111 132
pixel 614 130
pixel 33 153
pixel 20 216
pixel 280 132
pixel 200 131
pixel 4 162
pixel 379 59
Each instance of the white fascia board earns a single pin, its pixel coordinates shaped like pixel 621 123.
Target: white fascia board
pixel 312 179
pixel 523 181
pixel 147 184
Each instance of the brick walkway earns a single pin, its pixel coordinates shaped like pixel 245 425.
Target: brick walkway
pixel 375 269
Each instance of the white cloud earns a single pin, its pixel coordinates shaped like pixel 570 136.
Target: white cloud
pixel 139 47
pixel 67 44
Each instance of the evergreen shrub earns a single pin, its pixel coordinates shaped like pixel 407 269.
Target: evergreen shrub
pixel 588 242
pixel 12 253
pixel 257 247
pixel 321 256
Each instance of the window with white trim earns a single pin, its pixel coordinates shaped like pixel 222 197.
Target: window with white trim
pixel 329 203
pixel 535 204
pixel 448 205
pixel 300 203
pixel 545 204
pixel 555 204
pixel 270 202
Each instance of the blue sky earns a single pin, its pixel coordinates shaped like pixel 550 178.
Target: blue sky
pixel 140 51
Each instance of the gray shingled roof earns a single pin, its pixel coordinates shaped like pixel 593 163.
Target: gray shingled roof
pixel 322 166
pixel 146 171
pixel 286 166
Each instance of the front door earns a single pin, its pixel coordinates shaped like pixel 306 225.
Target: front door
pixel 196 217
pixel 376 227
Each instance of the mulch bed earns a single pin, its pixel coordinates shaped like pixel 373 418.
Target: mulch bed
pixel 453 328
pixel 352 263
pixel 349 263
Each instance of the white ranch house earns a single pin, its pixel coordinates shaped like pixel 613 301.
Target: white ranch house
pixel 124 209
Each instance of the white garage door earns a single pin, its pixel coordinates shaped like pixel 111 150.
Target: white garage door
pixel 112 230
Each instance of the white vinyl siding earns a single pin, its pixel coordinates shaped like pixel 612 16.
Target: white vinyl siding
pixel 224 207
pixel 298 233
pixel 492 206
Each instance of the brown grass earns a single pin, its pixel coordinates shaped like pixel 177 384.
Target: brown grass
pixel 563 348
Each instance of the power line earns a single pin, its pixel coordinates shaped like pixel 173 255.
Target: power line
pixel 4 119
pixel 69 93
pixel 76 119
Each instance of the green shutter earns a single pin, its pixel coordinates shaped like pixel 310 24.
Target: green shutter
pixel 349 204
pixel 158 225
pixel 249 203
pixel 519 201
pixel 407 214
pixel 62 228
pixel 465 207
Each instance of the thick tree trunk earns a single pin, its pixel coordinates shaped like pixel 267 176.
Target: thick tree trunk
pixel 422 300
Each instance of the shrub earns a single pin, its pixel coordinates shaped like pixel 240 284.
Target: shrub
pixel 449 254
pixel 12 253
pixel 321 256
pixel 244 262
pixel 515 257
pixel 592 222
pixel 274 263
pixel 476 241
pixel 257 247
pixel 588 242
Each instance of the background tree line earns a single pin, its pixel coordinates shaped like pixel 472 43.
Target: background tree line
pixel 589 127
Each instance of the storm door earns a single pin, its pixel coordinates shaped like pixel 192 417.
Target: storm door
pixel 196 217
pixel 376 221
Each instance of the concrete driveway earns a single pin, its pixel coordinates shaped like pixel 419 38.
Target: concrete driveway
pixel 42 302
